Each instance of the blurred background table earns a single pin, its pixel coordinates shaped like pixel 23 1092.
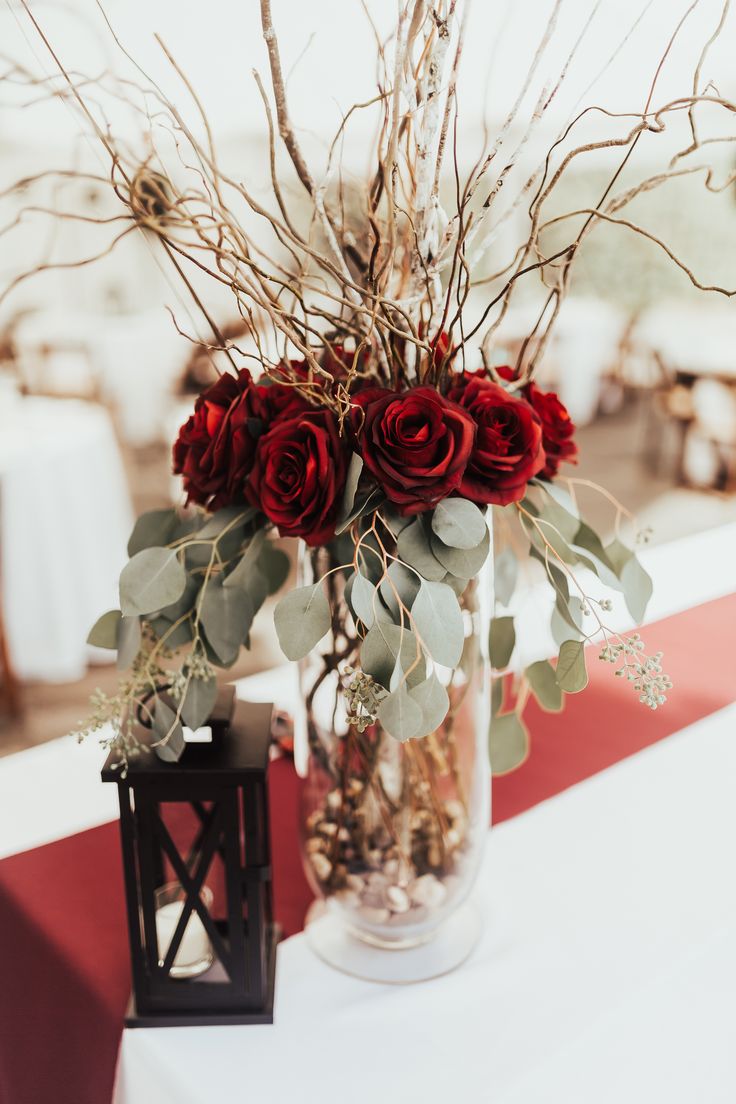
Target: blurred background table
pixel 65 517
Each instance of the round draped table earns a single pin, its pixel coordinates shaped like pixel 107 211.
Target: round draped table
pixel 65 517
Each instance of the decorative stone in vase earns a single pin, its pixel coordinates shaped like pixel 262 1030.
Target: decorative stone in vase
pixel 393 832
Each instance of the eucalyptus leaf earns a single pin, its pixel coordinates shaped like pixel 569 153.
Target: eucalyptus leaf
pixel 275 565
pixel 402 580
pixel 438 620
pixel 302 618
pixel 588 539
pixel 549 534
pixel 458 523
pixel 414 548
pixel 362 598
pixel 505 574
pixel 240 576
pixel 174 638
pixel 431 697
pixel 154 578
pixel 226 614
pixel 637 587
pixel 199 701
pixel 618 555
pixel 166 727
pixel 129 641
pixel 104 632
pixel 257 588
pixel 459 586
pixel 570 673
pixel 508 743
pixel 355 467
pixel 186 603
pixel 556 576
pixel 397 522
pixel 565 523
pixel 229 517
pixel 544 685
pixel 382 645
pixel 399 715
pixel 366 503
pixel 501 642
pixel 563 627
pixel 598 567
pixel 153 529
pixel 463 562
pixel 562 497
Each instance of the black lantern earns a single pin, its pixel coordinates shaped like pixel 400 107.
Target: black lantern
pixel 196 862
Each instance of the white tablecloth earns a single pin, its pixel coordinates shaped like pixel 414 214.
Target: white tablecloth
pixel 65 517
pixel 606 972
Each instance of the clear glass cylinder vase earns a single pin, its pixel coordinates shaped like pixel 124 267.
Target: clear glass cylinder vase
pixel 393 833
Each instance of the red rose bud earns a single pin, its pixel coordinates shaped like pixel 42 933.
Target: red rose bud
pixel 416 444
pixel 298 476
pixel 557 429
pixel 508 448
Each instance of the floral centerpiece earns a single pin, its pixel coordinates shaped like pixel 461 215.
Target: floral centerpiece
pixel 369 413
pixel 390 484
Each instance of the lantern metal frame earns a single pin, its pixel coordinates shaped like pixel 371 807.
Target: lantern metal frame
pixel 225 785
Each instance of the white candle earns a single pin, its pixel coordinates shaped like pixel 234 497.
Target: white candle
pixel 195 951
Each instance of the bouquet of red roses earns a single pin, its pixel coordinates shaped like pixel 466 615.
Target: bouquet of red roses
pixel 397 486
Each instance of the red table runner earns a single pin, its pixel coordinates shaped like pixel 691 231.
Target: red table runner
pixel 64 972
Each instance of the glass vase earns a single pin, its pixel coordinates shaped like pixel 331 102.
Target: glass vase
pixel 393 833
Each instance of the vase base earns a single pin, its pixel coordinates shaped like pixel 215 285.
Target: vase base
pixel 333 942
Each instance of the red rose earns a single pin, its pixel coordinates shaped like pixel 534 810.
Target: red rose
pixel 557 425
pixel 416 444
pixel 215 447
pixel 508 448
pixel 557 429
pixel 299 475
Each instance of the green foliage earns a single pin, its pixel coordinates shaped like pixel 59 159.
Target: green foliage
pixel 355 467
pixel 363 599
pixel 168 731
pixel 104 632
pixel 194 584
pixel 570 673
pixel 543 684
pixel 153 529
pixel 508 743
pixel 302 618
pixel 463 562
pixel 129 636
pixel 439 622
pixel 400 715
pixel 226 614
pixel 637 586
pixel 152 579
pixel 431 697
pixel 383 646
pixel 458 523
pixel 198 701
pixel 414 548
pixel 502 641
